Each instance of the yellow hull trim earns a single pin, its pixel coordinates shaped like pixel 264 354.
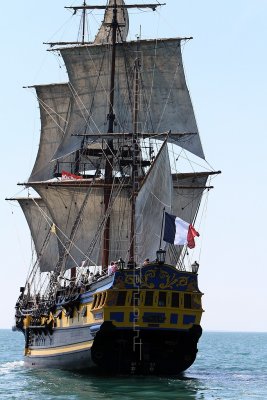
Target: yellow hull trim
pixel 59 350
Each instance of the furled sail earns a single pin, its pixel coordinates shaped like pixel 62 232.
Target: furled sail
pixel 154 196
pixel 164 92
pixel 54 102
pixel 40 224
pixel 104 34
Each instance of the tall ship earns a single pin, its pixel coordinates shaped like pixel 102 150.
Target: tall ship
pixel 113 285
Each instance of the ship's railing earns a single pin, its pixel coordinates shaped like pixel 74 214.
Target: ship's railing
pixel 38 306
pixel 84 168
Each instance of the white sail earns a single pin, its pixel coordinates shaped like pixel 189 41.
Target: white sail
pixel 164 92
pixel 44 238
pixel 187 193
pixel 154 196
pixel 120 223
pixel 65 204
pixel 104 34
pixel 54 103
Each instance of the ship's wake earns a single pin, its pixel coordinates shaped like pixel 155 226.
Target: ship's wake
pixel 8 367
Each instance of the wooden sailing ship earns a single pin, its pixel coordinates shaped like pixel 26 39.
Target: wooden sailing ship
pixel 104 181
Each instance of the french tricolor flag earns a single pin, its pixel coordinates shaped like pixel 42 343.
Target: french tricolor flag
pixel 179 232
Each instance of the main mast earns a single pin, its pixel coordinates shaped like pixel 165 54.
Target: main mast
pixel 136 151
pixel 109 149
pixel 135 144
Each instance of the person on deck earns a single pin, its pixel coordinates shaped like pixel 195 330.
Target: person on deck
pixel 90 278
pixel 111 268
pixel 115 267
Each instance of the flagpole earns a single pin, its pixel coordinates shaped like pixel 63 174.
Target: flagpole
pixel 163 212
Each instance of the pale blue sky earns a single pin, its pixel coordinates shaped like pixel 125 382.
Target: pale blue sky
pixel 226 66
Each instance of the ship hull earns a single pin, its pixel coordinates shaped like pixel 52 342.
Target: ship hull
pixel 68 348
pixel 76 360
pixel 116 351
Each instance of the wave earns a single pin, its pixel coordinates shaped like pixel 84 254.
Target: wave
pixel 8 367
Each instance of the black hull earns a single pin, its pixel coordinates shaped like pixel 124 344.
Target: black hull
pixel 145 351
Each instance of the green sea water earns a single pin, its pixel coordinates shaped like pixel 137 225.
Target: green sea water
pixel 228 366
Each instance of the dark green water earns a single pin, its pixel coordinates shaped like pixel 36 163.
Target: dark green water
pixel 229 366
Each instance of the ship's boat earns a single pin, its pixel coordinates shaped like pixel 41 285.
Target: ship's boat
pixel 113 285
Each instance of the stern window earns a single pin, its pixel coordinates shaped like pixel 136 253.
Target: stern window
pixel 135 299
pixel 187 301
pixel 162 299
pixel 175 300
pixel 149 298
pixel 121 298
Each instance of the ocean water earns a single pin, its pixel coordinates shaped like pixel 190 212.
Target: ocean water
pixel 228 366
